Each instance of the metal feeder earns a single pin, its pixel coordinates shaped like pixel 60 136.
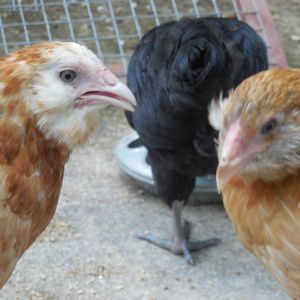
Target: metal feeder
pixel 132 161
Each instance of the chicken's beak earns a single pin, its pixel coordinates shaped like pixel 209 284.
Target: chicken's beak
pixel 235 153
pixel 117 94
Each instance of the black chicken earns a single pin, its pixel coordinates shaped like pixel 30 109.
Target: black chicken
pixel 175 72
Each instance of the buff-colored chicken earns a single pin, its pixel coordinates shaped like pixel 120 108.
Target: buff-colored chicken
pixel 50 94
pixel 259 170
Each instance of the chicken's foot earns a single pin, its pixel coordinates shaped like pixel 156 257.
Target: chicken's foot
pixel 179 244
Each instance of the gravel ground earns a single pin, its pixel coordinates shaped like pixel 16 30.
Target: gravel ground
pixel 89 251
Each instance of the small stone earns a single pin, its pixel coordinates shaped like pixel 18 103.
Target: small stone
pixel 295 38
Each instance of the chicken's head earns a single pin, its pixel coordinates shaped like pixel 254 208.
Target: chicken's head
pixel 64 85
pixel 260 134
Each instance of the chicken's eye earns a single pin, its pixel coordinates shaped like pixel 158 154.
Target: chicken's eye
pixel 68 75
pixel 269 126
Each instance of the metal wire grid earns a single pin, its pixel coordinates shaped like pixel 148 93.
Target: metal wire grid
pixel 111 28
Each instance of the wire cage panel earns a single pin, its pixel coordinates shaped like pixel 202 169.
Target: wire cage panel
pixel 111 28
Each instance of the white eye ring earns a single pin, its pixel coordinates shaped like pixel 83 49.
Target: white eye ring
pixel 68 76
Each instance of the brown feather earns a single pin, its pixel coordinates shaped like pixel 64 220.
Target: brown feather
pixel 263 198
pixel 32 171
pixel 40 123
pixel 31 167
pixel 267 221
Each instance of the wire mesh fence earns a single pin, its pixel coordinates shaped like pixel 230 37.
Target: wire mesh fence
pixel 111 28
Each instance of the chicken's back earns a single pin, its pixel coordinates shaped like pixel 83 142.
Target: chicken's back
pixel 179 67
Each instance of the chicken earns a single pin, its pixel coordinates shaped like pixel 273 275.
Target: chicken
pixel 259 170
pixel 174 73
pixel 50 94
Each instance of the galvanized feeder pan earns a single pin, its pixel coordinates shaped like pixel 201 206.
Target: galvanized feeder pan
pixel 132 161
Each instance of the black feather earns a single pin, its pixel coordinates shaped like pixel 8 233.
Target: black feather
pixel 174 73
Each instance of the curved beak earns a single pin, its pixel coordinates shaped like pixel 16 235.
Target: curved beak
pixel 117 94
pixel 235 153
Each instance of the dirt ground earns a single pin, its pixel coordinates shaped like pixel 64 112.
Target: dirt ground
pixel 89 251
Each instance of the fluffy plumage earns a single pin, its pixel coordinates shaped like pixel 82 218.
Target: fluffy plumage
pixel 175 72
pixel 49 97
pixel 259 170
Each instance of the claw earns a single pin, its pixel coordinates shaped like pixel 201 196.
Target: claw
pixel 183 247
pixel 187 254
pixel 179 244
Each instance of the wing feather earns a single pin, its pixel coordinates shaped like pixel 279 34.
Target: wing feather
pixel 31 171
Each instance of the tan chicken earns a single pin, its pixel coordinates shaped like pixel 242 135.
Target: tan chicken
pixel 259 170
pixel 50 94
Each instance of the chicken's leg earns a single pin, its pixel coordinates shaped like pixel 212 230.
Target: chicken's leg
pixel 179 244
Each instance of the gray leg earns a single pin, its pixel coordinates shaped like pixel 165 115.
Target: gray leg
pixel 179 244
